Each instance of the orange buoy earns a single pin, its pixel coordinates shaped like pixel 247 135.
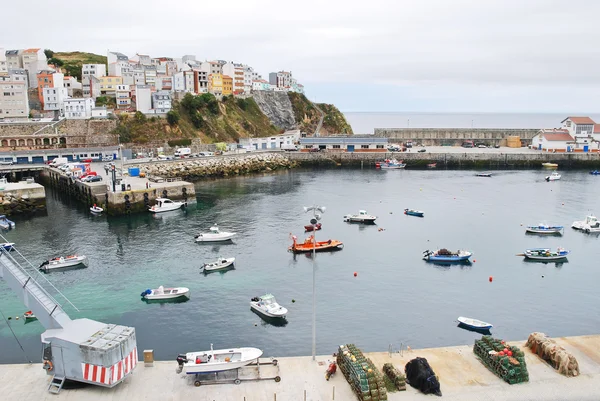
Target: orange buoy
pixel 474 260
pixel 355 274
pixel 491 279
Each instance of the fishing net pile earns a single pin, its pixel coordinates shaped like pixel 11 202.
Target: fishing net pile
pixel 507 362
pixel 547 349
pixel 364 378
pixel 420 376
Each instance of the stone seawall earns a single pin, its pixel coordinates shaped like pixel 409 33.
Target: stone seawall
pixel 455 136
pixel 23 199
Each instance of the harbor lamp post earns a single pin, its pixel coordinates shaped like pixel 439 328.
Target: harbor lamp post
pixel 314 221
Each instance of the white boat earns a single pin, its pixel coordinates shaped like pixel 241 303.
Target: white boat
pixel 96 209
pixel 215 235
pixel 6 223
pixel 591 227
pixel 361 217
pixel 221 263
pixel 590 220
pixel 62 262
pixel 553 177
pixel 474 323
pixel 166 205
pixel 162 293
pixel 268 306
pixel 544 229
pixel 483 174
pixel 545 254
pixel 216 360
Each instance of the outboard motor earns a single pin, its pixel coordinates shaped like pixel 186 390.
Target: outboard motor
pixel 181 359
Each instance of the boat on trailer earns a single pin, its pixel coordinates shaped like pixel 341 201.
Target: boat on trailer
pixel 544 229
pixel 7 246
pixel 213 361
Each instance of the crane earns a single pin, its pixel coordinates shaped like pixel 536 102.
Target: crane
pixel 82 350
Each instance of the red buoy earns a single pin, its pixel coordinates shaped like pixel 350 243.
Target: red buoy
pixel 491 279
pixel 474 260
pixel 355 274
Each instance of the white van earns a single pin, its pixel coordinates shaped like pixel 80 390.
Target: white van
pixel 58 161
pixel 183 152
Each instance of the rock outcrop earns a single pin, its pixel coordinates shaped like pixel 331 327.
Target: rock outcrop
pixel 278 107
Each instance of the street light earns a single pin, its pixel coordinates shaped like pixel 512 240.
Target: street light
pixel 313 221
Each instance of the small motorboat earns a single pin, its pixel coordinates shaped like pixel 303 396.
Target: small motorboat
pixel 96 209
pixel 545 254
pixel 268 306
pixel 445 256
pixel 216 360
pixel 474 323
pixel 162 293
pixel 390 164
pixel 432 165
pixel 592 227
pixel 595 172
pixel 544 229
pixel 413 212
pixel 590 220
pixel 553 177
pixel 483 175
pixel 310 227
pixel 361 217
pixel 63 262
pixel 5 223
pixel 549 165
pixel 214 235
pixel 166 205
pixel 29 316
pixel 7 246
pixel 309 245
pixel 220 264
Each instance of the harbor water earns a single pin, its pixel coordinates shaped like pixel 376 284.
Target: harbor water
pixel 395 298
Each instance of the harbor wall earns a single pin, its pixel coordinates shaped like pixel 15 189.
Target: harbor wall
pixel 23 198
pixel 455 136
pixel 139 200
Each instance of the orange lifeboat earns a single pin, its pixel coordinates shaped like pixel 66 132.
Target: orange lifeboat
pixel 309 244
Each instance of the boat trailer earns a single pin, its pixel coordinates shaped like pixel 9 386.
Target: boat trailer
pixel 233 376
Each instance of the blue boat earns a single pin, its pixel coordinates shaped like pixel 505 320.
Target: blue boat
pixel 445 256
pixel 412 212
pixel 544 229
pixel 474 324
pixel 595 172
pixel 6 223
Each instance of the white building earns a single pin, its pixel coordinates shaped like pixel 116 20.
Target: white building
pixel 34 60
pixel 79 108
pixel 3 65
pixel 281 79
pixel 553 140
pixel 97 70
pixel 261 85
pixel 99 112
pixel 123 97
pixel 211 67
pixel 54 98
pixel 163 83
pixel 14 99
pixel 179 82
pixel 113 57
pixel 236 72
pixel 274 142
pixel 150 75
pixel 143 98
pixel 71 85
pixel 90 86
pixel 248 74
pixel 161 102
pixel 13 59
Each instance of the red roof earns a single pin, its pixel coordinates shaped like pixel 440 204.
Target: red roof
pixel 579 120
pixel 558 136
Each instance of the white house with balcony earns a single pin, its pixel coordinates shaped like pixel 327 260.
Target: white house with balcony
pixel 582 130
pixel 79 108
pixel 161 102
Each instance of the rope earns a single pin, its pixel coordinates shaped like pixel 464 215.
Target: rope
pixel 15 336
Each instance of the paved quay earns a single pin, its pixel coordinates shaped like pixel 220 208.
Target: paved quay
pixel 461 375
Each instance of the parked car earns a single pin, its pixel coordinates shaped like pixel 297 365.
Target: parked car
pixel 422 150
pixel 482 146
pixel 6 162
pixel 497 146
pixel 91 178
pixel 314 150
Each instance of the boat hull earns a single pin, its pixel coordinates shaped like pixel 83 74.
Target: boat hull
pixel 446 259
pixel 218 362
pixel 546 258
pixel 213 267
pixel 278 315
pixel 415 213
pixel 96 210
pixel 301 248
pixel 182 293
pixel 215 238
pixel 543 254
pixel 544 231
pixel 474 323
pixel 55 265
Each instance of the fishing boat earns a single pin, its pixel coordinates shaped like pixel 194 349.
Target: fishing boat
pixel 96 209
pixel 390 164
pixel 553 177
pixel 6 223
pixel 310 244
pixel 216 360
pixel 362 217
pixel 413 212
pixel 215 235
pixel 483 175
pixel 595 172
pixel 268 306
pixel 29 316
pixel 445 256
pixel 63 262
pixel 161 293
pixel 7 246
pixel 549 165
pixel 545 254
pixel 474 323
pixel 432 165
pixel 590 220
pixel 166 205
pixel 219 264
pixel 310 227
pixel 544 229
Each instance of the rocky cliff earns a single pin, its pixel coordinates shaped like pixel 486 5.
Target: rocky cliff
pixel 277 107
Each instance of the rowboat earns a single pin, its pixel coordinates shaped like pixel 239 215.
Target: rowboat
pixel 162 293
pixel 220 264
pixel 64 262
pixel 544 229
pixel 310 244
pixel 390 164
pixel 549 165
pixel 545 254
pixel 474 323
pixel 445 256
pixel 432 165
pixel 310 227
pixel 413 212
pixel 29 316
pixel 96 209
pixel 216 360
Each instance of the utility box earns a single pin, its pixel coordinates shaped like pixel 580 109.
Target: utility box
pixel 148 357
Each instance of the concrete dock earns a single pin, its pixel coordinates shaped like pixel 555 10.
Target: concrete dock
pixel 462 376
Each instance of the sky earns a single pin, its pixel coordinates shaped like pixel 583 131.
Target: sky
pixel 379 55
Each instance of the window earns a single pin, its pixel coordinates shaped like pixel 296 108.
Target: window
pixel 364 146
pixel 308 146
pixel 336 146
pixel 379 146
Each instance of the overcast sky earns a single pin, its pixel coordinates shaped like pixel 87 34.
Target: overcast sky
pixel 377 55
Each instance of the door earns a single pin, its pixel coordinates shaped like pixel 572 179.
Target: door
pixel 37 159
pixel 22 160
pixel 586 148
pixel 540 146
pixel 350 148
pixel 264 145
pixel 273 145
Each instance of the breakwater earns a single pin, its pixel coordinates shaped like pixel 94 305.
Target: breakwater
pixel 455 136
pixel 23 198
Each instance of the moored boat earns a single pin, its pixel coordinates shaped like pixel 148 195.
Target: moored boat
pixel 216 360
pixel 590 220
pixel 545 254
pixel 268 306
pixel 166 205
pixel 310 244
pixel 5 223
pixel 591 227
pixel 483 175
pixel 549 165
pixel 595 172
pixel 162 293
pixel 310 227
pixel 29 316
pixel 215 235
pixel 390 164
pixel 413 212
pixel 553 177
pixel 432 165
pixel 445 256
pixel 219 264
pixel 544 229
pixel 96 209
pixel 474 323
pixel 7 246
pixel 361 217
pixel 63 262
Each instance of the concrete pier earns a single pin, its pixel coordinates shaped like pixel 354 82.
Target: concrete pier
pixel 22 198
pixel 462 376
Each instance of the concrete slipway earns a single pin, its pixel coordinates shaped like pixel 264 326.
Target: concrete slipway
pixel 461 375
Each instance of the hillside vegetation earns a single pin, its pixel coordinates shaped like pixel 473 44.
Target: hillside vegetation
pixel 72 62
pixel 307 116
